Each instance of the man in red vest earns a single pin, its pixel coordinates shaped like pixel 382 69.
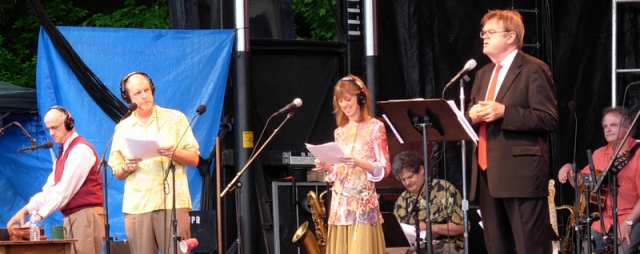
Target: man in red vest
pixel 74 187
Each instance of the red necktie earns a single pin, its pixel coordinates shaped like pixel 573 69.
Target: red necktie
pixel 482 143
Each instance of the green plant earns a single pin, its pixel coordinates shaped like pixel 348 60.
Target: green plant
pixel 134 15
pixel 314 20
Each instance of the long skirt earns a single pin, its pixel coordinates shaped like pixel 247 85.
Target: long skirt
pixel 367 239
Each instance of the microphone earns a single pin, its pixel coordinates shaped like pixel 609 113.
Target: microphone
pixel 132 107
pixel 47 144
pixel 199 111
pixel 295 104
pixel 467 67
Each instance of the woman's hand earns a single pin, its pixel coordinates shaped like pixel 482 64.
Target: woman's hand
pixel 350 161
pixel 323 166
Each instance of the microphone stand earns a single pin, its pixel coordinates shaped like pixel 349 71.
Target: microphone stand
pixel 422 125
pixel 232 184
pixel 239 174
pixel 172 168
pixel 613 185
pixel 26 133
pixel 576 172
pixel 103 166
pixel 107 227
pixel 415 211
pixel 463 152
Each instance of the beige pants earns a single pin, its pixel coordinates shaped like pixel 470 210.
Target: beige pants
pixel 151 232
pixel 86 225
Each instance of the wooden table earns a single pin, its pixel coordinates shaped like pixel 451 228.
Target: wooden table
pixel 62 246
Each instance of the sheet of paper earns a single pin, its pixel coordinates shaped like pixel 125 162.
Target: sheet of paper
pixel 410 232
pixel 328 153
pixel 393 128
pixel 144 148
pixel 465 124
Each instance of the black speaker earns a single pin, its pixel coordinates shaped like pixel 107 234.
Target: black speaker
pixel 203 228
pixel 290 210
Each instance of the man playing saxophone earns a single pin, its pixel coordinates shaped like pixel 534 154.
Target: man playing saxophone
pixel 616 122
pixel 445 212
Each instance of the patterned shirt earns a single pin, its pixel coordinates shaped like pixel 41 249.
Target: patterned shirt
pixel 354 198
pixel 445 207
pixel 144 189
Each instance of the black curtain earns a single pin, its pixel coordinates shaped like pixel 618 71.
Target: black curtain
pixel 425 43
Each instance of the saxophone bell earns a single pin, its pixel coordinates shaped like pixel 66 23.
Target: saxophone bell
pixel 313 244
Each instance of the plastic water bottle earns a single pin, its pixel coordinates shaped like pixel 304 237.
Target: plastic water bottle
pixel 34 227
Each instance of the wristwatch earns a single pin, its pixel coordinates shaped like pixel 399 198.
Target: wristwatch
pixel 629 222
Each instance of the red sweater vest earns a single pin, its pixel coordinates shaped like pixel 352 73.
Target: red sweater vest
pixel 90 193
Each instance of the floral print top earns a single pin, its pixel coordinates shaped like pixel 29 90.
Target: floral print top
pixel 354 199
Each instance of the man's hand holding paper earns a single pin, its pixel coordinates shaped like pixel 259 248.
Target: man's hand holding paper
pixel 142 148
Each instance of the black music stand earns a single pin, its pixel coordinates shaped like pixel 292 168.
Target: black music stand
pixel 422 120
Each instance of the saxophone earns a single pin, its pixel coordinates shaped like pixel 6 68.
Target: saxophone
pixel 314 244
pixel 567 243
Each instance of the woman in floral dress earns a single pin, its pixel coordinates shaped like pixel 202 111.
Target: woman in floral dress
pixel 354 217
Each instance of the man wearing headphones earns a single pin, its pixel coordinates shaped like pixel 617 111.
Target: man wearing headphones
pixel 74 187
pixel 147 199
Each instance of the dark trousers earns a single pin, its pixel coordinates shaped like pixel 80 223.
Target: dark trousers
pixel 514 225
pixel 624 247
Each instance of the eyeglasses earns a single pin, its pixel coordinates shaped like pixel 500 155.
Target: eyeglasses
pixel 490 33
pixel 54 128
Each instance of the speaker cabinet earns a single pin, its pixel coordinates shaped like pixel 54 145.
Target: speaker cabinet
pixel 203 228
pixel 290 210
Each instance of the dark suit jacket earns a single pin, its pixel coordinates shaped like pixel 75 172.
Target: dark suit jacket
pixel 518 144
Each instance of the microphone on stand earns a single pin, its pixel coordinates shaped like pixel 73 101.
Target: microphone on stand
pixel 132 107
pixel 34 147
pixel 297 102
pixel 467 67
pixel 171 167
pixel 199 111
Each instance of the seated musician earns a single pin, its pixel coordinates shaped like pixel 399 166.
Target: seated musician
pixel 628 180
pixel 445 211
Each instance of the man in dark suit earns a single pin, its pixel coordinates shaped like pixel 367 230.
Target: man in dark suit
pixel 513 108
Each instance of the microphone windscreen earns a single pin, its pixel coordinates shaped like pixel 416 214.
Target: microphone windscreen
pixel 298 102
pixel 48 144
pixel 470 64
pixel 572 106
pixel 133 107
pixel 201 109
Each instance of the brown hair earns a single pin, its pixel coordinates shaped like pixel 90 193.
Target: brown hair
pixel 511 20
pixel 351 85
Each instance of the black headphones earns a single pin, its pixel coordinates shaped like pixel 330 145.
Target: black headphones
pixel 123 91
pixel 362 97
pixel 68 120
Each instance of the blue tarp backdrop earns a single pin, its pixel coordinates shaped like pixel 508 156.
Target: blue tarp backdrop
pixel 188 68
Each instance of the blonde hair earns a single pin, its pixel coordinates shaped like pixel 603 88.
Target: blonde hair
pixel 351 85
pixel 511 20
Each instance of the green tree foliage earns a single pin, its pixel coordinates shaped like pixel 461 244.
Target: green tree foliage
pixel 19 39
pixel 134 15
pixel 314 20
